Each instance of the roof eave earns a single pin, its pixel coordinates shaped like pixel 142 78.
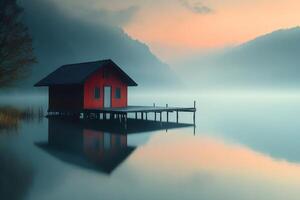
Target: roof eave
pixel 49 85
pixel 133 84
pixel 39 85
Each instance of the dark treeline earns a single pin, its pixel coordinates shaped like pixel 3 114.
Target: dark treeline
pixel 16 52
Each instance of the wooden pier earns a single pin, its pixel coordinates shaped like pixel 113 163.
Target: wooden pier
pixel 139 112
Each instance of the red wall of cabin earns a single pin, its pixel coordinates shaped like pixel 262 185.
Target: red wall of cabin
pixel 98 80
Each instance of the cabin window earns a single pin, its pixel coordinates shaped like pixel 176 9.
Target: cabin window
pixel 118 93
pixel 97 93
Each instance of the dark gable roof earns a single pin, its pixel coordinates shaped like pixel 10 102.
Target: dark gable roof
pixel 78 73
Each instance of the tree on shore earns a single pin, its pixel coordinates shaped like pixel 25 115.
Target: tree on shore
pixel 16 51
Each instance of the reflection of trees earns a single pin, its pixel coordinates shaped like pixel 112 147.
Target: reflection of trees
pixel 15 176
pixel 10 117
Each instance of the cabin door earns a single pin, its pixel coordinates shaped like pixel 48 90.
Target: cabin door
pixel 107 97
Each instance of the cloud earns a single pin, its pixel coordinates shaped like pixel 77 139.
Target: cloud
pixel 196 6
pixel 113 17
pixel 97 11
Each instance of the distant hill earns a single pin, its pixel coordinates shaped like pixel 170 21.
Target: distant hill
pixel 61 39
pixel 272 60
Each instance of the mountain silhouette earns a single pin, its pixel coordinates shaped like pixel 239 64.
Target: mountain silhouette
pixel 271 60
pixel 60 38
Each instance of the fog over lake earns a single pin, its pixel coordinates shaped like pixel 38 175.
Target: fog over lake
pixel 239 137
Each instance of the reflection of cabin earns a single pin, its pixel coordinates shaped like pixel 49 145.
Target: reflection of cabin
pixel 91 85
pixel 94 149
pixel 100 145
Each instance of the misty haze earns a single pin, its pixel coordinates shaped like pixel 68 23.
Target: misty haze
pixel 176 99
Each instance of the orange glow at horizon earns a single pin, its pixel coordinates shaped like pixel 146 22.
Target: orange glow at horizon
pixel 171 29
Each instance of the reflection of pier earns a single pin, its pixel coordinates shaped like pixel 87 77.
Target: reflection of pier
pixel 131 126
pixel 95 144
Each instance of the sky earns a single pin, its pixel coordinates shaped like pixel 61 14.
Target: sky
pixel 176 28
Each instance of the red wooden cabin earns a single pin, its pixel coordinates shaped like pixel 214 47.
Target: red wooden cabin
pixel 90 85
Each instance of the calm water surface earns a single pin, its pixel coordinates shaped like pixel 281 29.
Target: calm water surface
pixel 244 147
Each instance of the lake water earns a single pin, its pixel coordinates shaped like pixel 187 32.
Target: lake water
pixel 245 146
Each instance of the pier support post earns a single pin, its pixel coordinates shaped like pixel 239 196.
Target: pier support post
pixel 146 116
pixel 135 115
pixel 167 113
pixel 142 114
pixel 177 116
pixel 154 116
pixel 167 116
pixel 194 114
pixel 160 113
pixel 125 120
pixel 194 118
